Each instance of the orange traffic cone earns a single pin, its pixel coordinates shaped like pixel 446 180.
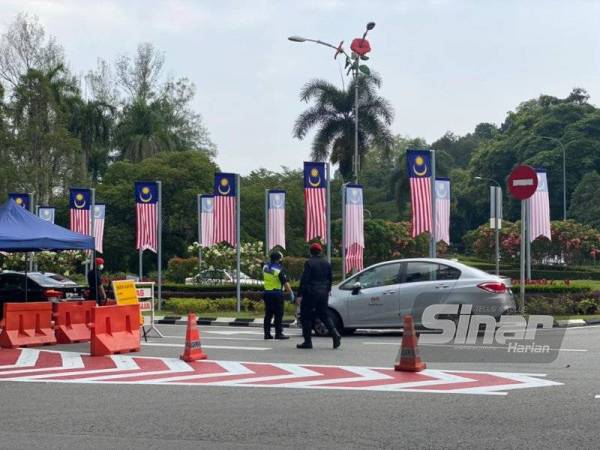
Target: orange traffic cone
pixel 408 359
pixel 193 346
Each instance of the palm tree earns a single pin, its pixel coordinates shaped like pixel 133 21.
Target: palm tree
pixel 333 114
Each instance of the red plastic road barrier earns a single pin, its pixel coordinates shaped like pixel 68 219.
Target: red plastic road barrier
pixel 115 329
pixel 193 346
pixel 72 321
pixel 409 359
pixel 27 324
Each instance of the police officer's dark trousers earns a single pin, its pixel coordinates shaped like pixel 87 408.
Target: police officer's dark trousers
pixel 273 309
pixel 314 306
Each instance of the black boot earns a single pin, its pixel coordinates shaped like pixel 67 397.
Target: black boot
pixel 337 339
pixel 305 345
pixel 306 334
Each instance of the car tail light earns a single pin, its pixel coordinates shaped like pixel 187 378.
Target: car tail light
pixel 495 287
pixel 52 294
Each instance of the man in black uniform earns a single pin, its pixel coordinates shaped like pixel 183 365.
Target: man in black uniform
pixel 94 277
pixel 315 287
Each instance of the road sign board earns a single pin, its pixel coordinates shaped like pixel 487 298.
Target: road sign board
pixel 522 182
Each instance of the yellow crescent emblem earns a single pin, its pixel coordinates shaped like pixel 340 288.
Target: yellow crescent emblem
pixel 419 161
pixel 145 195
pixel 79 201
pixel 19 201
pixel 314 173
pixel 224 187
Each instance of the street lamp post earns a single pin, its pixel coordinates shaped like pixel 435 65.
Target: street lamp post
pixel 497 209
pixel 564 171
pixel 355 67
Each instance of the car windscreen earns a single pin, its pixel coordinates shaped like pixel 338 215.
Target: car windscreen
pixel 44 280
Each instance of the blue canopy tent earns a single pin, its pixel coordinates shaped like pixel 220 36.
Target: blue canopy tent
pixel 22 231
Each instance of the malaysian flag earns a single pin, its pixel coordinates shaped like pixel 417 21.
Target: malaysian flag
pixel 442 210
pixel 225 209
pixel 21 199
pixel 315 203
pixel 146 208
pixel 539 209
pixel 207 220
pixel 46 213
pixel 419 174
pixel 354 227
pixel 80 202
pixel 99 214
pixel 276 218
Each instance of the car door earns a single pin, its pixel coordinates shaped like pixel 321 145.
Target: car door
pixel 375 304
pixel 12 287
pixel 425 283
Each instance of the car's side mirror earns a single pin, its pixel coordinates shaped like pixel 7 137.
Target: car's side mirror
pixel 356 288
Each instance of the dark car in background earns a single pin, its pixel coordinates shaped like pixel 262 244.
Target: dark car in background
pixel 41 286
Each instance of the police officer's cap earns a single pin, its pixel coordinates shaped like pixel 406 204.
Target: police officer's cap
pixel 276 256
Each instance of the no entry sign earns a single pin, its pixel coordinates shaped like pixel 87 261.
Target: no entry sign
pixel 522 182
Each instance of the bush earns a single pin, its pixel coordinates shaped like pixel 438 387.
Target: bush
pixel 223 256
pixel 178 269
pixel 294 267
pixel 552 289
pixel 212 306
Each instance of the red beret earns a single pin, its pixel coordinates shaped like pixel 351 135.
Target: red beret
pixel 99 261
pixel 315 246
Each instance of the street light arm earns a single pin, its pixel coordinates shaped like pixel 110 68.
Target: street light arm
pixel 488 179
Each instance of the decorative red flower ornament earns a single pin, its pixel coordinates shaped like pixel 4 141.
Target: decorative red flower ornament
pixel 360 46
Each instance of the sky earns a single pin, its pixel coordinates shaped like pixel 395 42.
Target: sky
pixel 446 65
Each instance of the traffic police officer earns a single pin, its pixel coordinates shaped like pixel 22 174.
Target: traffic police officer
pixel 275 282
pixel 315 287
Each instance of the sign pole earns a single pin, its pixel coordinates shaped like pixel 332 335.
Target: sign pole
pixel 140 262
pixel 328 175
pixel 528 241
pixel 238 290
pixel 159 255
pixel 523 249
pixel 344 270
pixel 31 208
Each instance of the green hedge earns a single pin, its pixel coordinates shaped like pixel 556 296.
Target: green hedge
pixel 215 288
pixel 209 306
pixel 562 305
pixel 552 289
pixel 553 274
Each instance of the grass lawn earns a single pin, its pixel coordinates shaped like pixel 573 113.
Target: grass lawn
pixel 583 317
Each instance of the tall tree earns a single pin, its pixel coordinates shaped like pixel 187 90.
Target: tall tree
pixel 585 202
pixel 333 114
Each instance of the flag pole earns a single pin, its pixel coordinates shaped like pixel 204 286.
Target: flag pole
pixel 267 246
pixel 528 240
pixel 37 214
pixel 432 235
pixel 238 289
pixel 327 168
pixel 31 208
pixel 159 255
pixel 199 215
pixel 344 231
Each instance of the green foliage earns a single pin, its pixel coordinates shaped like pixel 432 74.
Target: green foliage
pixel 223 256
pixel 178 269
pixel 333 114
pixel 64 263
pixel 225 305
pixel 585 201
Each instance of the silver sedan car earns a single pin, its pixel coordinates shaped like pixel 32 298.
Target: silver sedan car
pixel 380 295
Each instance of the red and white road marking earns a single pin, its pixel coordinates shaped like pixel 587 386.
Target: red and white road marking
pixel 34 365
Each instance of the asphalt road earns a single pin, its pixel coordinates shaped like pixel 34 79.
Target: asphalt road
pixel 49 415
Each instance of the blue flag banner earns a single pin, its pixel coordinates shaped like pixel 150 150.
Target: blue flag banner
pixel 418 163
pixel 21 199
pixel 225 184
pixel 80 199
pixel 46 213
pixel 314 175
pixel 146 192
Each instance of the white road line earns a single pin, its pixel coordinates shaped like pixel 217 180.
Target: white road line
pixel 231 368
pixel 28 357
pixel 72 361
pixel 217 338
pixel 223 347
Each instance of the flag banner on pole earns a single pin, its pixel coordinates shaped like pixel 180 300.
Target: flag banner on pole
pixel 442 210
pixel 354 227
pixel 21 199
pixel 80 201
pixel 539 209
pixel 146 200
pixel 315 203
pixel 99 215
pixel 225 209
pixel 276 219
pixel 419 175
pixel 207 220
pixel 47 213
